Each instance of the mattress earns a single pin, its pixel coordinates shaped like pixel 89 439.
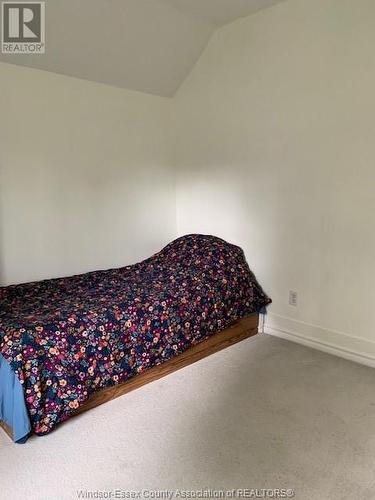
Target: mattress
pixel 64 339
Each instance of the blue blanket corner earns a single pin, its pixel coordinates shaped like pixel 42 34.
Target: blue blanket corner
pixel 12 403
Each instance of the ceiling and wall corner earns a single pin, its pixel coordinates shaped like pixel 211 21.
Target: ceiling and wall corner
pixel 71 128
pixel 220 12
pixel 145 45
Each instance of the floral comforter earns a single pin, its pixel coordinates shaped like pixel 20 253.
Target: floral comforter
pixel 67 338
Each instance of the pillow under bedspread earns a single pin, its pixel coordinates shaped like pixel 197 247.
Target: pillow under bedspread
pixel 67 338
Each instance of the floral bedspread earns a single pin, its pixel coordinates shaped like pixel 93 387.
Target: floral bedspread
pixel 67 338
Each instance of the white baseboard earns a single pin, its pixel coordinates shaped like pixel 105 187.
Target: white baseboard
pixel 340 344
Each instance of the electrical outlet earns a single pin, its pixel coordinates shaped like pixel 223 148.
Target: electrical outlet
pixel 293 298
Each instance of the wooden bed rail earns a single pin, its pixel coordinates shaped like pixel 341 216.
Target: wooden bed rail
pixel 242 329
pixel 8 430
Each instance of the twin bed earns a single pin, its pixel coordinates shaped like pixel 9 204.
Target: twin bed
pixel 68 345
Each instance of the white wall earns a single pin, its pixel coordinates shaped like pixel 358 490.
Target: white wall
pixel 86 181
pixel 273 140
pixel 275 147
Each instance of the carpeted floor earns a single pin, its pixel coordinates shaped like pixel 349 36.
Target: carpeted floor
pixel 265 413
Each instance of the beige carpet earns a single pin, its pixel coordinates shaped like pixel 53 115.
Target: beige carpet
pixel 265 413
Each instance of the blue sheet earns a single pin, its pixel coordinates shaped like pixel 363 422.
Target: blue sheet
pixel 12 403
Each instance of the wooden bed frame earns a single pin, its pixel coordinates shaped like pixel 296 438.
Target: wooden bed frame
pixel 242 329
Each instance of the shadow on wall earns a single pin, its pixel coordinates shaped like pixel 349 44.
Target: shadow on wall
pixel 213 200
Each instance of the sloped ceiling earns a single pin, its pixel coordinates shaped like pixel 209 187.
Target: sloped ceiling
pixel 145 45
pixel 219 12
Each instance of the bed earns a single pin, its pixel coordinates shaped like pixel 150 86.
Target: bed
pixel 70 344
